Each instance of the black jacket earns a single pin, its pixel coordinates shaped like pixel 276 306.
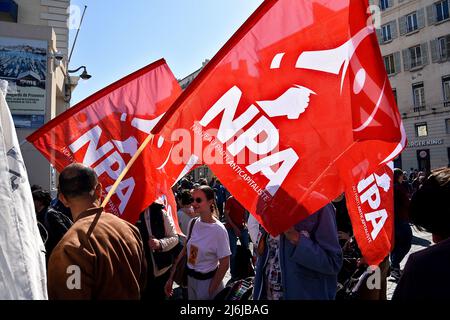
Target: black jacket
pixel 426 275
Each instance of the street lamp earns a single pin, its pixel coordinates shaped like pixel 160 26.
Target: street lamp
pixel 84 75
pixel 68 85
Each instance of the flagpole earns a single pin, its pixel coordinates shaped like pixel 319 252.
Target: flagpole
pixel 119 179
pixel 125 171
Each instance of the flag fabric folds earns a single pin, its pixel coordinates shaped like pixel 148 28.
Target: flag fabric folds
pixel 105 130
pixel 293 110
pixel 370 203
pixel 22 252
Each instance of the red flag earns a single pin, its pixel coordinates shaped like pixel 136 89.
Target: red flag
pixel 105 130
pixel 370 202
pixel 295 100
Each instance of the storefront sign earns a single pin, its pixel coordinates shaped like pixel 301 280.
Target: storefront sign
pixel 430 142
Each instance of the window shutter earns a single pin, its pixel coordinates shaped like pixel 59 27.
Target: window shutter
pixel 431 14
pixel 380 36
pixel 424 52
pixel 402 25
pixel 394 32
pixel 447 43
pixel 421 18
pixel 434 50
pixel 406 59
pixel 397 62
pixel 385 60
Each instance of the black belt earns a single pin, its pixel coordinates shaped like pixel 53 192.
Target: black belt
pixel 199 275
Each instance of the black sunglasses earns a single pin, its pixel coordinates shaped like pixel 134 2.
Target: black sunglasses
pixel 198 200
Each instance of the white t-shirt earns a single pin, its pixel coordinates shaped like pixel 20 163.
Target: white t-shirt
pixel 208 243
pixel 183 221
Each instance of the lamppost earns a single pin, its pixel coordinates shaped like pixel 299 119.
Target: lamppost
pixel 70 81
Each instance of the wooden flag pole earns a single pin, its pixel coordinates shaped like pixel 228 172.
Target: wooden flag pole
pixel 125 171
pixel 119 179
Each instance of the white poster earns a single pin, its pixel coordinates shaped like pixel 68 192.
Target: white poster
pixel 23 63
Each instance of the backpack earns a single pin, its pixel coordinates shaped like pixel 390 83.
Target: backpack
pixel 56 225
pixel 239 290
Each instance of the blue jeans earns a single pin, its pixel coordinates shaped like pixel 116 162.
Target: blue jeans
pixel 403 237
pixel 244 239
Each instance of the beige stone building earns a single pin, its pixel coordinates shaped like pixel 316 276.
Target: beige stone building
pixel 415 42
pixel 202 171
pixel 34 37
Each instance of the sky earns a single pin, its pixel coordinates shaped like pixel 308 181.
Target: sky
pixel 119 37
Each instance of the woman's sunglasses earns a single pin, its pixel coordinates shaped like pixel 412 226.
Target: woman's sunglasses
pixel 198 200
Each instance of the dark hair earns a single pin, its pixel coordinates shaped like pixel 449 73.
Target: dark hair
pixel 203 182
pixel 35 187
pixel 42 196
pixel 210 195
pixel 430 208
pixel 397 174
pixel 77 180
pixel 185 197
pixel 185 184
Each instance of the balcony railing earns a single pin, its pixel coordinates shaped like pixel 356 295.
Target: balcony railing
pixel 419 108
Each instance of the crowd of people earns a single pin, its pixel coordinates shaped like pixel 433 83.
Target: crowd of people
pixel 95 255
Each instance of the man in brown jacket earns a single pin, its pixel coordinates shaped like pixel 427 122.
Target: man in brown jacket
pixel 109 262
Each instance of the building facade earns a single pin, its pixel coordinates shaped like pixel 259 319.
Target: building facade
pixel 415 43
pixel 201 171
pixel 34 38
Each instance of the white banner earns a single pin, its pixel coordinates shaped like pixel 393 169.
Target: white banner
pixel 22 252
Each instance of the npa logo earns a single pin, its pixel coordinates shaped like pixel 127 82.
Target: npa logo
pixel 370 192
pixel 290 104
pixel 109 159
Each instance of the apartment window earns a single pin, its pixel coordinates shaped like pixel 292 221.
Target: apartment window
pixel 444 47
pixel 421 129
pixel 411 22
pixel 389 64
pixel 442 12
pixel 447 126
pixel 392 63
pixel 384 4
pixel 446 90
pixel 386 31
pixel 419 97
pixel 440 49
pixel 416 56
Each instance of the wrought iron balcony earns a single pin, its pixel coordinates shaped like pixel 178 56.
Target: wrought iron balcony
pixel 419 108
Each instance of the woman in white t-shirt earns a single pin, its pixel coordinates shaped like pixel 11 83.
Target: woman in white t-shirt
pixel 208 249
